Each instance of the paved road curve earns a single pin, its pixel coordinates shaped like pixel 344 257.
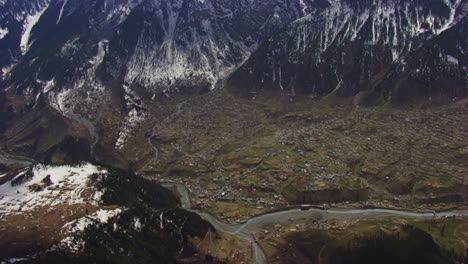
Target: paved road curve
pixel 258 223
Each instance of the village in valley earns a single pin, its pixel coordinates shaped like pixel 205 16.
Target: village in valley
pixel 321 156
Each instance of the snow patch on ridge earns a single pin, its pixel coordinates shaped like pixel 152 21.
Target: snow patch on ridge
pixel 70 244
pixel 74 244
pixel 122 11
pixel 6 70
pixel 99 217
pixel 49 85
pixel 137 225
pixel 29 23
pixel 452 59
pixel 102 50
pixel 44 185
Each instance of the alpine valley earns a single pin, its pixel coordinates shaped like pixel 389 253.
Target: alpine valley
pixel 253 114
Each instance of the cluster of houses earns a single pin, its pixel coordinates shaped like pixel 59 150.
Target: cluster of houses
pixel 229 191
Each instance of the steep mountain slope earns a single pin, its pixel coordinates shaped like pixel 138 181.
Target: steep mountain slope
pixel 390 49
pixel 17 20
pixel 100 64
pixel 149 43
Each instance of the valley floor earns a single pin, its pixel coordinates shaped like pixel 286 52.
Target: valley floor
pixel 244 157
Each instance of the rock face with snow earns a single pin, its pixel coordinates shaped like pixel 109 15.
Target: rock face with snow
pixel 49 186
pixel 77 58
pixel 390 50
pixel 160 45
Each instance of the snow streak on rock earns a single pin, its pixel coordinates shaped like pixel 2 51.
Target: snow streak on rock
pixel 61 11
pixel 452 18
pixel 394 23
pixel 133 119
pixel 49 85
pixel 3 32
pixel 346 44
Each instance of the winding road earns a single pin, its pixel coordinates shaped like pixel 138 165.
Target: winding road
pixel 154 132
pixel 258 223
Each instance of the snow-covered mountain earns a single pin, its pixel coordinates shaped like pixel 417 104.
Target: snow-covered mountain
pixel 65 49
pixel 405 49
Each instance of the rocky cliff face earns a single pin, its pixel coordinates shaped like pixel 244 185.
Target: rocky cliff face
pixel 387 49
